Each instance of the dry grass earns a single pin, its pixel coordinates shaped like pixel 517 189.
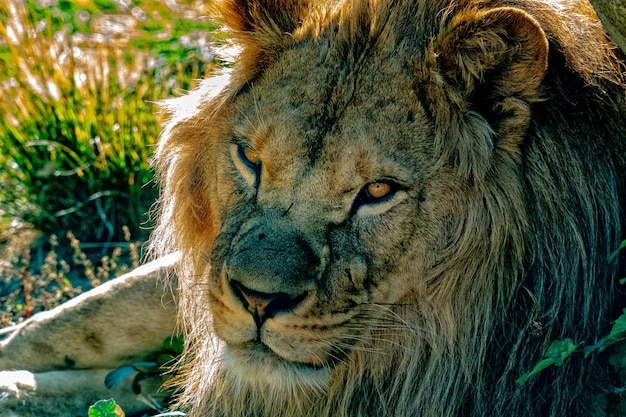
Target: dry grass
pixel 39 274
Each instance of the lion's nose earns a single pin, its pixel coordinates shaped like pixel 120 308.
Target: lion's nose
pixel 263 305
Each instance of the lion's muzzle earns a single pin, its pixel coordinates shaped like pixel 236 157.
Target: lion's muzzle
pixel 272 267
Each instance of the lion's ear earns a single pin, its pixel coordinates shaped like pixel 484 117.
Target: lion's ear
pixel 492 63
pixel 279 16
pixel 262 28
pixel 503 50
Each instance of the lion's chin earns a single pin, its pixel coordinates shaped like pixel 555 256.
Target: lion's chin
pixel 254 363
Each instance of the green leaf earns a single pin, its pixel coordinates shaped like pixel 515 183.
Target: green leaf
pixel 543 364
pixel 165 359
pixel 614 254
pixel 176 344
pixel 618 332
pixel 558 351
pixel 598 346
pixel 106 408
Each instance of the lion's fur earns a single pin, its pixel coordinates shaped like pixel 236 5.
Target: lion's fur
pixel 513 117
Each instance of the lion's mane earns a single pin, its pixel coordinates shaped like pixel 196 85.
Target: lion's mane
pixel 525 261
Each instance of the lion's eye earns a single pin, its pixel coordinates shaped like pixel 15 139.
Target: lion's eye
pixel 377 190
pixel 249 156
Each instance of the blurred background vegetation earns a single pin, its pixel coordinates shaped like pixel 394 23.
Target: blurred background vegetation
pixel 79 82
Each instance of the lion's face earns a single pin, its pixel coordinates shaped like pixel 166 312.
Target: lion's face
pixel 329 218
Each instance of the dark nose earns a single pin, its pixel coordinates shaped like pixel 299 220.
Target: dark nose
pixel 263 305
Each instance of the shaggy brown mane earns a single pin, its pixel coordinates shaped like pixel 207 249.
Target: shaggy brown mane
pixel 527 109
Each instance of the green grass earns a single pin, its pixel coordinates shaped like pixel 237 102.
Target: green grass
pixel 79 82
pixel 78 119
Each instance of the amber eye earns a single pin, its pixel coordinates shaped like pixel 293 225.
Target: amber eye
pixel 376 194
pixel 378 190
pixel 249 156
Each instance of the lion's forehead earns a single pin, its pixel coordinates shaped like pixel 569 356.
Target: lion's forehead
pixel 334 132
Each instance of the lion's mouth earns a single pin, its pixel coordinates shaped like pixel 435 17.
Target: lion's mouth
pixel 263 329
pixel 255 362
pixel 270 345
pixel 262 353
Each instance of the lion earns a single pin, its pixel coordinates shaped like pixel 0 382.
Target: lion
pixel 393 207
pixel 385 208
